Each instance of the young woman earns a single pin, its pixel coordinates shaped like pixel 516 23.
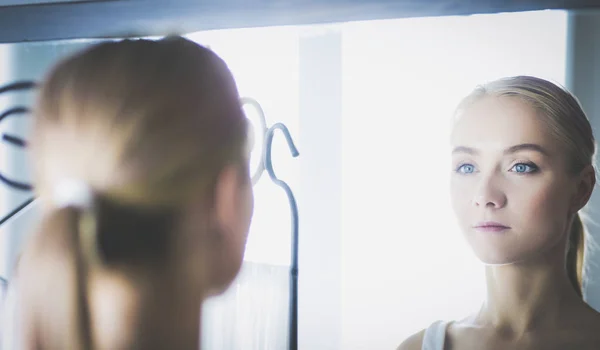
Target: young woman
pixel 141 162
pixel 522 163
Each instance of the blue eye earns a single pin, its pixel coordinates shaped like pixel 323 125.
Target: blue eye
pixel 466 169
pixel 523 168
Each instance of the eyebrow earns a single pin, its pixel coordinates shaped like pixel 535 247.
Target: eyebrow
pixel 513 149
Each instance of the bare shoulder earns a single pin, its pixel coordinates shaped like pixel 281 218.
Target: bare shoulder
pixel 414 342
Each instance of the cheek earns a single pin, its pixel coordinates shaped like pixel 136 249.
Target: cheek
pixel 247 211
pixel 541 205
pixel 461 195
pixel 546 207
pixel 234 257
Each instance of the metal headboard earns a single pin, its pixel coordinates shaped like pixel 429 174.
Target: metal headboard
pixel 265 164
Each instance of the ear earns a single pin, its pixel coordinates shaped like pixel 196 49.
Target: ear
pixel 586 182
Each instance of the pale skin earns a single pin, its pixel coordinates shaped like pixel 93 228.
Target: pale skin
pixel 508 168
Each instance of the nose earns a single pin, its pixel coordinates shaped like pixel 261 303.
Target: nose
pixel 489 194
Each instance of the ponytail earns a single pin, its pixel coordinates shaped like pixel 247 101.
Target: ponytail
pixel 53 274
pixel 575 252
pixel 54 268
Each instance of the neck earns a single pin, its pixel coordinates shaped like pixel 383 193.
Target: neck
pixel 144 315
pixel 528 296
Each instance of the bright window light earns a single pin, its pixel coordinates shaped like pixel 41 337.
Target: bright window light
pixel 405 264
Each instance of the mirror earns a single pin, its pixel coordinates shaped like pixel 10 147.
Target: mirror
pixel 368 100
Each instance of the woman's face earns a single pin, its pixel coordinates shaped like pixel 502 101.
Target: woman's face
pixel 510 188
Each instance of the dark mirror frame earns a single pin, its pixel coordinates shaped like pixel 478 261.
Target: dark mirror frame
pixel 135 18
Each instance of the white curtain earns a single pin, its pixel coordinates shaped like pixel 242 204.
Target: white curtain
pixel 252 314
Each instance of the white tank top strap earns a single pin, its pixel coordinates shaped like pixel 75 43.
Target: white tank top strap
pixel 435 336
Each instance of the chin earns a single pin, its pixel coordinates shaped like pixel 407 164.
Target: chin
pixel 498 262
pixel 224 279
pixel 218 290
pixel 497 258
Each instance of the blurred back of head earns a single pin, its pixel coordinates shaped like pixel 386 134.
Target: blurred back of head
pixel 154 132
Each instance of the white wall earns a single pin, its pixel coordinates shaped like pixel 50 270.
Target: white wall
pixel 321 232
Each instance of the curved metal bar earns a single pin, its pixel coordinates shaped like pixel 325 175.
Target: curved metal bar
pixel 14 110
pixel 21 186
pixel 263 129
pixel 4 287
pixel 18 85
pixel 16 141
pixel 293 317
pixel 16 210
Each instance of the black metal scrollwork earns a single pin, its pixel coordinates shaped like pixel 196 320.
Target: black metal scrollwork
pixel 266 163
pixel 17 142
pixel 293 322
pixel 14 140
pixel 262 128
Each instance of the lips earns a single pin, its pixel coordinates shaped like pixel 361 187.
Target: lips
pixel 490 226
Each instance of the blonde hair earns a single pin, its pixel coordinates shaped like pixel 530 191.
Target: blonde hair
pixel 146 125
pixel 569 124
